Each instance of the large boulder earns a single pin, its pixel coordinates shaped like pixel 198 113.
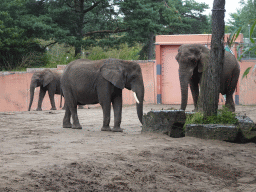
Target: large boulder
pixel 168 122
pixel 246 126
pixel 212 131
pixel 242 132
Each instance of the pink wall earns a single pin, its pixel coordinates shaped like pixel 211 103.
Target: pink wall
pixel 247 85
pixel 14 86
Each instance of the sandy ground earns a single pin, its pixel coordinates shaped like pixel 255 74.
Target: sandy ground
pixel 37 154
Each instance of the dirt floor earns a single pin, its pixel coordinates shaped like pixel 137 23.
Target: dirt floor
pixel 37 154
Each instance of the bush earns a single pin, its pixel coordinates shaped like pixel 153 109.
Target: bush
pixel 123 52
pixel 62 54
pixel 29 54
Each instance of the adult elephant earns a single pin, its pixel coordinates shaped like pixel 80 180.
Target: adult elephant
pixel 191 59
pixel 102 81
pixel 48 81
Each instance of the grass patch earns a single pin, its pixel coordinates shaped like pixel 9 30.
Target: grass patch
pixel 224 116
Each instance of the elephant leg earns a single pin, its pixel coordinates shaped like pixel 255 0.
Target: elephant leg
pixel 51 92
pixel 194 87
pixel 76 124
pixel 66 119
pixel 230 102
pixel 117 106
pixel 41 97
pixel 106 108
pixel 231 89
pixel 71 110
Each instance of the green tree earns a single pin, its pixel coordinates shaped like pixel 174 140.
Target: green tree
pixel 148 18
pixel 244 17
pixel 16 46
pixel 109 23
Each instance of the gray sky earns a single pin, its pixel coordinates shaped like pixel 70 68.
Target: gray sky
pixel 231 6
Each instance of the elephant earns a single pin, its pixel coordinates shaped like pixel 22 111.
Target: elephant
pixel 48 81
pixel 191 59
pixel 101 81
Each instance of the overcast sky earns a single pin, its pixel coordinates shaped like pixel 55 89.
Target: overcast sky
pixel 231 6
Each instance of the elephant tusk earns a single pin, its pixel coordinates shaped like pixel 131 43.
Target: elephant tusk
pixel 135 96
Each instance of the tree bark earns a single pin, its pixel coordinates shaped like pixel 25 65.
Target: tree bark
pixel 210 85
pixel 151 46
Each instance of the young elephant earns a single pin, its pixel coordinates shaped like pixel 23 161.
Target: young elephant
pixel 191 59
pixel 90 82
pixel 48 81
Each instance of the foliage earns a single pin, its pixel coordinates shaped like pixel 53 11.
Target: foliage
pixel 224 116
pixel 252 49
pixel 16 46
pixel 124 52
pixel 244 17
pixel 85 24
pixel 61 54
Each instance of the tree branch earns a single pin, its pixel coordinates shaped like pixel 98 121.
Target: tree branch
pixel 50 44
pixel 73 8
pixel 117 30
pixel 92 7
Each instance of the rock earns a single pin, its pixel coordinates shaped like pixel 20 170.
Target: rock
pixel 168 122
pixel 244 131
pixel 212 131
pixel 247 126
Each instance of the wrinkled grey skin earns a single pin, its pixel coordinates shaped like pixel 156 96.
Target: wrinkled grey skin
pixel 48 81
pixel 90 82
pixel 191 59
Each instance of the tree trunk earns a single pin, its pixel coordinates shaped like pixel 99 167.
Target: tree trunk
pixel 78 51
pixel 151 46
pixel 79 6
pixel 210 85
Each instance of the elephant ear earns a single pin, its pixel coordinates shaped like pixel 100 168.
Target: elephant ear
pixel 177 57
pixel 114 73
pixel 203 61
pixel 48 77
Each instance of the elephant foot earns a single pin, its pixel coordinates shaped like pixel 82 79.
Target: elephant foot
pixel 76 126
pixel 80 107
pixel 39 109
pixel 106 129
pixel 53 108
pixel 117 129
pixel 67 125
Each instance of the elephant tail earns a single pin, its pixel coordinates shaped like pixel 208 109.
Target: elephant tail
pixel 233 82
pixel 61 95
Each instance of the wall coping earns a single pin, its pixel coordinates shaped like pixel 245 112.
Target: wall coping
pixel 32 70
pixel 3 73
pixel 190 39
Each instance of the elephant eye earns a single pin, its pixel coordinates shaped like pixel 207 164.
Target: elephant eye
pixel 193 61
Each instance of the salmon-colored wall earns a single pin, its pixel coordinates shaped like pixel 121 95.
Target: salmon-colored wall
pixel 14 89
pixel 247 85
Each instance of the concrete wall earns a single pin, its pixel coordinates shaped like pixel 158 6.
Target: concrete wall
pixel 14 89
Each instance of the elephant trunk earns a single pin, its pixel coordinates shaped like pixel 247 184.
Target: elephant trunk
pixel 32 90
pixel 184 80
pixel 139 93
